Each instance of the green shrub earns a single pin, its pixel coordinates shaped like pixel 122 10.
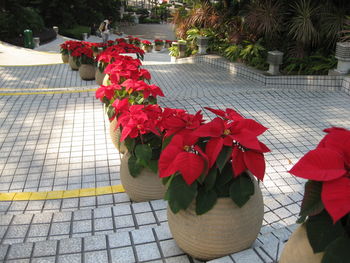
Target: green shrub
pixel 148 20
pixel 76 32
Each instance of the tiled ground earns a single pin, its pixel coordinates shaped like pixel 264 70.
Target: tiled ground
pixel 61 141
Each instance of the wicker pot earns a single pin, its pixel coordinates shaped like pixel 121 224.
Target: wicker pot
pixel 146 186
pixel 72 63
pixel 65 58
pixel 115 137
pixel 87 71
pixel 147 49
pixel 223 230
pixel 99 76
pixel 158 47
pixel 298 249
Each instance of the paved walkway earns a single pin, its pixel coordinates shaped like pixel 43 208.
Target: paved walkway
pixel 59 141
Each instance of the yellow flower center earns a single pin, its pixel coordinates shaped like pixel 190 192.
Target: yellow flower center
pixel 227 132
pixel 187 148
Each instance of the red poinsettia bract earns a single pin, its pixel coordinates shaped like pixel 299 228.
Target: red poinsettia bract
pixel 241 135
pixel 330 163
pixel 184 156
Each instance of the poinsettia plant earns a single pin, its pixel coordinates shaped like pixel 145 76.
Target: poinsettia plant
pixel 146 43
pixel 64 48
pixel 158 42
pixel 83 55
pixel 142 133
pixel 325 209
pixel 206 161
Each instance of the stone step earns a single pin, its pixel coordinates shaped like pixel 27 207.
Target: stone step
pixel 121 217
pixel 31 227
pixel 153 244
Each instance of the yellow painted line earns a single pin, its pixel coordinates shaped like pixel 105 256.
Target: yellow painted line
pixel 45 92
pixel 61 194
pixel 34 65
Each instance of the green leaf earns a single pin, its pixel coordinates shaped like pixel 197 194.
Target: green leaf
pixel 180 193
pixel 224 155
pixel 225 176
pixel 130 144
pixel 153 166
pixel 134 167
pixel 312 203
pixel 242 188
pixel 143 152
pixel 210 179
pixel 205 201
pixel 321 231
pixel 338 251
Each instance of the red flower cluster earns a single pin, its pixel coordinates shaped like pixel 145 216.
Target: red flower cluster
pixel 82 50
pixel 146 43
pixel 184 154
pixel 168 41
pixel 329 163
pixel 158 42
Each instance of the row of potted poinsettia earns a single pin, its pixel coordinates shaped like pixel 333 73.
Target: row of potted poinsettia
pixel 209 172
pixel 84 56
pixel 147 45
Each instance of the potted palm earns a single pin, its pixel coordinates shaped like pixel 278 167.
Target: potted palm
pixel 158 44
pixel 215 206
pixel 324 233
pixel 146 46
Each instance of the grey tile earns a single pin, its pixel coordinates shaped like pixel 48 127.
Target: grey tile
pixel 60 228
pixel 143 236
pixel 39 230
pixel 119 239
pixel 246 256
pixel 94 243
pixel 72 245
pixel 83 214
pixel 72 258
pixel 44 260
pixel 147 252
pixel 45 248
pixel 96 257
pixel 170 248
pixel 182 259
pixel 121 209
pixel 103 224
pixel 17 231
pixel 124 221
pixel 122 255
pixel 82 226
pixel 20 251
pixel 102 212
pixel 3 251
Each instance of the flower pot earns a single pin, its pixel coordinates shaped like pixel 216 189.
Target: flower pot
pixel 167 45
pixel 146 186
pixel 72 63
pixel 105 80
pixel 298 249
pixel 147 49
pixel 99 76
pixel 65 58
pixel 158 47
pixel 223 230
pixel 115 136
pixel 87 71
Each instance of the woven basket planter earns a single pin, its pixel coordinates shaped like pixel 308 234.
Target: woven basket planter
pixel 223 230
pixel 158 47
pixel 65 58
pixel 115 137
pixel 72 63
pixel 147 49
pixel 298 249
pixel 99 76
pixel 87 71
pixel 146 186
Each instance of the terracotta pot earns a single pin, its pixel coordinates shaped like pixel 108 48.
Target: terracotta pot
pixel 65 58
pixel 72 63
pixel 146 186
pixel 99 76
pixel 115 137
pixel 298 249
pixel 223 230
pixel 87 71
pixel 158 47
pixel 147 49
